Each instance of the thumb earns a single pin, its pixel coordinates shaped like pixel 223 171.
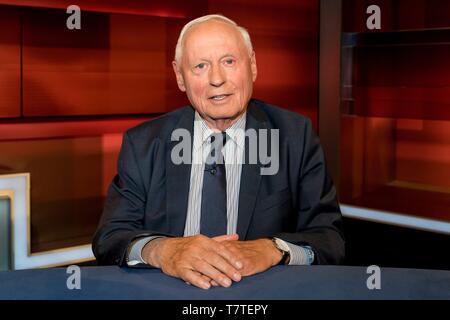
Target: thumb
pixel 227 237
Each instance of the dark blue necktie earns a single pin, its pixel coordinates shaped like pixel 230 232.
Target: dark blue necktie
pixel 213 221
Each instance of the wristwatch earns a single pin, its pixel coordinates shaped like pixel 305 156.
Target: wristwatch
pixel 283 248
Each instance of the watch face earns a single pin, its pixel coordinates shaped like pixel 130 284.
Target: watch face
pixel 282 245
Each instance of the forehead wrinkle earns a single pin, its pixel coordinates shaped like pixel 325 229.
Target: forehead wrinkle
pixel 210 55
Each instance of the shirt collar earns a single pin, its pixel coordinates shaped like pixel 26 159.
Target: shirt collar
pixel 202 131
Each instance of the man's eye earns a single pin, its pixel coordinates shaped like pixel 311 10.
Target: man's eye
pixel 200 66
pixel 229 62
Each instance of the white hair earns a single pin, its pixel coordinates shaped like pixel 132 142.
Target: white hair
pixel 190 24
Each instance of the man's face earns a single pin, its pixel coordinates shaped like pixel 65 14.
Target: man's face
pixel 216 71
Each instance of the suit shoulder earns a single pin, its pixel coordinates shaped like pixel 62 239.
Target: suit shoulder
pixel 161 126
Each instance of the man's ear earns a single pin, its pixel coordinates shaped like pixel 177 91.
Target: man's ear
pixel 253 66
pixel 179 76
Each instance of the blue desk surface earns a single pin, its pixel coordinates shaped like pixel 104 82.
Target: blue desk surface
pixel 282 282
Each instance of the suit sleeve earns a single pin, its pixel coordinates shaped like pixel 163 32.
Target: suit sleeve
pixel 319 219
pixel 124 209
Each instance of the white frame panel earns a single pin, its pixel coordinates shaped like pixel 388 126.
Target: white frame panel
pixel 396 219
pixel 17 188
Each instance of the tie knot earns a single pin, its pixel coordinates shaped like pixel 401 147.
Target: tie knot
pixel 218 141
pixel 218 137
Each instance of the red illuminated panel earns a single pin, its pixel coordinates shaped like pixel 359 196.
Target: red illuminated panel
pixel 423 154
pixel 113 65
pixel 396 14
pixel 396 165
pixel 395 129
pixel 121 64
pixel 9 62
pixel 159 8
pixel 285 39
pixel 406 81
pixel 66 128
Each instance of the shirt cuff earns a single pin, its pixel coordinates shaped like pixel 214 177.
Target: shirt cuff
pixel 135 252
pixel 300 255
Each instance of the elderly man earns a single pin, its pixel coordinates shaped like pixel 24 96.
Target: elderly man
pixel 213 220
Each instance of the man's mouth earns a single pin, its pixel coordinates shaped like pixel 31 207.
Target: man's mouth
pixel 219 97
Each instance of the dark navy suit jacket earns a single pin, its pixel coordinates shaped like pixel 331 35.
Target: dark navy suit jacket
pixel 149 195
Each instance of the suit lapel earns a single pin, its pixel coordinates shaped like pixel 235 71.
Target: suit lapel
pixel 250 176
pixel 178 179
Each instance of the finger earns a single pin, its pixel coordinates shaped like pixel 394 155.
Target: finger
pixel 196 279
pixel 215 284
pixel 223 266
pixel 205 278
pixel 207 269
pixel 212 282
pixel 227 237
pixel 239 255
pixel 235 250
pixel 224 251
pixel 215 245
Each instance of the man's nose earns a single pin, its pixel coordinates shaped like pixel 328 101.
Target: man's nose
pixel 216 76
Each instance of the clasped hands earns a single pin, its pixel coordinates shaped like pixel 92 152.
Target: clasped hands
pixel 205 262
